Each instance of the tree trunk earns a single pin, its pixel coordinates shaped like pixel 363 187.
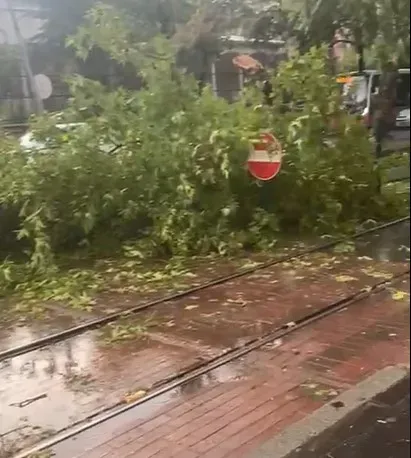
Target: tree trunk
pixel 385 106
pixel 360 57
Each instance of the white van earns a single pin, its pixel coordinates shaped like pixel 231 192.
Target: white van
pixel 359 87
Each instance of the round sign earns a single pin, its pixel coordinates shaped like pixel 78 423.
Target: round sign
pixel 44 86
pixel 264 161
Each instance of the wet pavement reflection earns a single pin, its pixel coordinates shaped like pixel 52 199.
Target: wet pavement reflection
pixel 392 244
pixel 15 330
pixel 47 390
pixel 389 245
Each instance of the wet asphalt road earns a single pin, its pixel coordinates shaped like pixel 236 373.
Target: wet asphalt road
pixel 380 430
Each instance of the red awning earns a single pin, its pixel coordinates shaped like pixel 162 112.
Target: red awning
pixel 246 62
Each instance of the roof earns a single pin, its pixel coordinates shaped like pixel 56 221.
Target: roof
pixel 238 39
pixel 403 71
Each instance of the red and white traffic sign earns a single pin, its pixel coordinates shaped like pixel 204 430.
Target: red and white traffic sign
pixel 264 161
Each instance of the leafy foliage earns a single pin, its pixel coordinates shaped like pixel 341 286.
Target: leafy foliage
pixel 175 179
pixel 62 19
pixel 381 24
pixel 126 330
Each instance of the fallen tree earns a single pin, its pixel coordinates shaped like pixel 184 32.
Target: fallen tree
pixel 177 183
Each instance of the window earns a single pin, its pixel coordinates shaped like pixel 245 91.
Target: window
pixel 355 91
pixel 403 88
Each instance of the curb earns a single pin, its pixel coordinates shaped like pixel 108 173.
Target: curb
pixel 327 416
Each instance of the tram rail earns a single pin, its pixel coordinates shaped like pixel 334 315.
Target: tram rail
pixel 225 357
pixel 100 322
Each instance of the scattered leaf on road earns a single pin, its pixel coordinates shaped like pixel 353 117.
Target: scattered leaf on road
pixel 239 301
pixel 275 344
pixel 344 247
pixel 399 295
pixel 133 397
pixel 191 307
pixel 110 311
pixel 345 278
pixel 250 265
pixel 375 274
pixel 321 393
pixel 310 386
pixel 190 275
pixel 365 258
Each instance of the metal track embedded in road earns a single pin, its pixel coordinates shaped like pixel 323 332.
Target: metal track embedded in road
pixel 100 322
pixel 226 357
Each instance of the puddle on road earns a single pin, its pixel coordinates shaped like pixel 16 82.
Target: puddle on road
pixel 18 329
pixel 231 374
pixel 13 335
pixel 49 389
pixel 391 244
pixel 83 375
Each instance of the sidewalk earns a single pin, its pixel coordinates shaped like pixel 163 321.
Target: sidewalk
pixel 232 411
pixel 379 428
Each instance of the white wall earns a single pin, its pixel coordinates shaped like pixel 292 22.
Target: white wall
pixel 20 107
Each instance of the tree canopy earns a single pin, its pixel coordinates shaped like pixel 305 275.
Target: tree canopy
pixel 382 25
pixel 175 183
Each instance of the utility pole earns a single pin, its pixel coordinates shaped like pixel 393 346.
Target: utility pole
pixel 39 107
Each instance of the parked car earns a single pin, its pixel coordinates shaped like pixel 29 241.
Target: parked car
pixel 29 143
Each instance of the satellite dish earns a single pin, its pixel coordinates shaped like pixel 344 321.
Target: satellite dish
pixel 43 85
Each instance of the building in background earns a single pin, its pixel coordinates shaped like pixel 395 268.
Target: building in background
pixel 25 12
pixel 15 95
pixel 228 78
